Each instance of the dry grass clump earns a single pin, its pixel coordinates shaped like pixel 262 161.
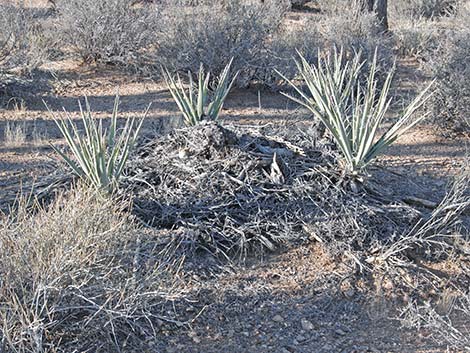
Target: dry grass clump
pixel 441 305
pixel 14 134
pixel 79 275
pixel 109 31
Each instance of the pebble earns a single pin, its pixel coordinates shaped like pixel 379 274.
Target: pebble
pixel 278 318
pixel 299 339
pixel 306 325
pixel 340 332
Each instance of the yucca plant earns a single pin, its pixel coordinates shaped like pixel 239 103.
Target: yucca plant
pixel 99 154
pixel 198 104
pixel 353 112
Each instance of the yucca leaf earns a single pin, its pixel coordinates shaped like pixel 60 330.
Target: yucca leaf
pixel 352 112
pixel 196 109
pixel 99 154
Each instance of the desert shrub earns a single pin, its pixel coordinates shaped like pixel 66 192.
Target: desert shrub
pixel 425 8
pixel 108 31
pixel 100 154
pixel 20 39
pixel 417 38
pixel 451 68
pixel 346 25
pixel 76 276
pixel 23 48
pixel 304 38
pixel 216 32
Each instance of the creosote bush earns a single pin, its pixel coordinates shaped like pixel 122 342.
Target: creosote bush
pixel 23 48
pixel 304 38
pixel 417 38
pixel 426 8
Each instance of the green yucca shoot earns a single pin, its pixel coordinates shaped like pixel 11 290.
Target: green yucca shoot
pixel 196 105
pixel 99 154
pixel 352 112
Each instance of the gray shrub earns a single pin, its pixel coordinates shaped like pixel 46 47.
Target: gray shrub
pixel 214 32
pixel 426 8
pixel 106 31
pixel 20 38
pixel 346 25
pixel 451 68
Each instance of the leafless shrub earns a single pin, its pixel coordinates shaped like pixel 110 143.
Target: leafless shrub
pixel 215 32
pixel 346 25
pixel 79 275
pixel 20 39
pixel 108 31
pixel 417 38
pixel 441 325
pixel 22 49
pixel 440 309
pixel 284 44
pixel 425 8
pixel 436 234
pixel 451 68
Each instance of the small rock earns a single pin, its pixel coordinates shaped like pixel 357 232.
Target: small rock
pixel 350 293
pixel 340 332
pixel 278 318
pixel 306 325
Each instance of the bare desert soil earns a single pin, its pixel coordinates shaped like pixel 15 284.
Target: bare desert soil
pixel 296 300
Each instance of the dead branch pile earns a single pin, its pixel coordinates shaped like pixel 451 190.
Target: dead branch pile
pixel 238 188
